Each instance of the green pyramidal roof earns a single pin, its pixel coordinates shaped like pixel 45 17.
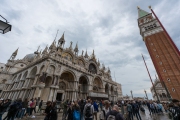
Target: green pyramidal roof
pixel 142 13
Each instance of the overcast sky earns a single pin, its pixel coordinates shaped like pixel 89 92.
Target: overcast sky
pixel 108 27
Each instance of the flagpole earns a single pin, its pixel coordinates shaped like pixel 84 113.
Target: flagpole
pixel 150 77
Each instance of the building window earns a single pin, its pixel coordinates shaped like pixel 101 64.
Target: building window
pixel 168 79
pixel 149 39
pixel 157 56
pixel 151 43
pixel 164 70
pixel 160 63
pixel 173 89
pixel 154 49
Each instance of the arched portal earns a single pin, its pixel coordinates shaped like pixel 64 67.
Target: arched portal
pixel 112 90
pixel 97 85
pixel 106 88
pixel 68 92
pixel 83 87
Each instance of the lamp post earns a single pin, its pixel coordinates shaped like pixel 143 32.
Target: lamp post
pixel 146 94
pixel 4 26
pixel 131 94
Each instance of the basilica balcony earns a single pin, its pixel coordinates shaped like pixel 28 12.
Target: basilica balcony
pixel 41 85
pixel 54 86
pixel 98 94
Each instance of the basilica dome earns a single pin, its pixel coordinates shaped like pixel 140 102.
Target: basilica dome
pixel 29 57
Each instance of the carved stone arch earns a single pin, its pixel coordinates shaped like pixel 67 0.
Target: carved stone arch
pixel 70 71
pixel 112 90
pixel 69 53
pixel 32 72
pixel 24 75
pixel 51 69
pixel 98 82
pixel 62 85
pixel 19 77
pixel 83 75
pixel 92 67
pixel 106 88
pixel 14 78
pixel 81 62
pixel 83 84
pixel 48 81
pixel 41 69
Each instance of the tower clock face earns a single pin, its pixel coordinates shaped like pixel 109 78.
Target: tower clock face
pixel 92 68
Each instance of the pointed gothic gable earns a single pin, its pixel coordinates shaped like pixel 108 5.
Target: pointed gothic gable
pixel 142 13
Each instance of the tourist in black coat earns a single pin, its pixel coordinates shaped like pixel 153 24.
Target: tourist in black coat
pixel 53 112
pixel 70 112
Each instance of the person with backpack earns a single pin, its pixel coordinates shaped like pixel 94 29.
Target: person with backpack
pixel 33 108
pixel 13 110
pixel 136 110
pixel 76 111
pixel 114 114
pixel 3 107
pixel 53 112
pixel 130 111
pixel 95 109
pixel 88 110
pixel 65 107
pixel 175 110
pixel 40 106
pixel 70 112
pixel 47 110
pixel 82 104
pixel 105 110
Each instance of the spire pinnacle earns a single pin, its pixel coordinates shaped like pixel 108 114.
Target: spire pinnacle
pixel 76 48
pixel 15 52
pixel 61 41
pixel 142 13
pixel 86 55
pixel 45 50
pixel 70 47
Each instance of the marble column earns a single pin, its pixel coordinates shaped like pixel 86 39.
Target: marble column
pixel 36 79
pixel 55 93
pixel 50 94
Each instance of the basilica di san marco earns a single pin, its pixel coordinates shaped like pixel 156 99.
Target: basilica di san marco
pixel 57 73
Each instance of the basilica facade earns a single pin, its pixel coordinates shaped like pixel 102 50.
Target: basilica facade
pixel 57 73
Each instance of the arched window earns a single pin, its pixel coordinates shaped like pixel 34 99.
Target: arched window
pixel 92 68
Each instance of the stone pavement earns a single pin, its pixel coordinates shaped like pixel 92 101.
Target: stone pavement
pixel 144 116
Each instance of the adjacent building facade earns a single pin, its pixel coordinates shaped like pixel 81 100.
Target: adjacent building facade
pixel 164 53
pixel 160 90
pixel 57 73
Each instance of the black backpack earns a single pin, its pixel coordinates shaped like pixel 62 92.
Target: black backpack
pixel 88 111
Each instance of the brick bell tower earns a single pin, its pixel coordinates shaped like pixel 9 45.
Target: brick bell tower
pixel 164 53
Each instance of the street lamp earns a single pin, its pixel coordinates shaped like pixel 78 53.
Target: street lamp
pixel 146 94
pixel 131 94
pixel 4 26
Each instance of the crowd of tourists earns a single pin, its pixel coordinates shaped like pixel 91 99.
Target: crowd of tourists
pixel 87 109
